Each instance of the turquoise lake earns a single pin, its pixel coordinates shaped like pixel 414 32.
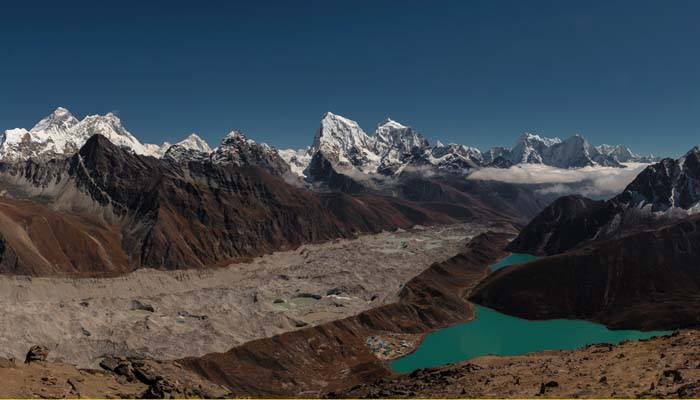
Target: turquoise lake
pixel 493 333
pixel 515 258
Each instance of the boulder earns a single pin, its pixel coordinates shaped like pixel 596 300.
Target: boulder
pixel 37 353
pixel 7 362
pixel 109 363
pixel 144 373
pixel 137 305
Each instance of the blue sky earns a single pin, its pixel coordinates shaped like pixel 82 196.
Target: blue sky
pixel 473 72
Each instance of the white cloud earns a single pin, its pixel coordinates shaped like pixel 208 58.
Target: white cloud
pixel 588 181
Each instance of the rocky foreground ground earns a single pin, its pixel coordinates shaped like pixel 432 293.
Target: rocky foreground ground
pixel 660 367
pixel 116 378
pixel 656 368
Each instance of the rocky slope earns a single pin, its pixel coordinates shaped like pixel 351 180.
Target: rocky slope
pixel 647 280
pixel 237 150
pixel 117 378
pixel 562 225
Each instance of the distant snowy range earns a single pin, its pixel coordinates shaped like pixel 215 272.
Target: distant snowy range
pixel 343 156
pixel 558 166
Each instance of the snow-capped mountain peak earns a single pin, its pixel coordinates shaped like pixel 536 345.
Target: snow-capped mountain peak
pixel 666 185
pixel 396 144
pixel 110 126
pixel 455 157
pixel 58 122
pixel 530 147
pixel 619 152
pixel 338 133
pixel 343 142
pixel 191 148
pixel 535 138
pixel 156 150
pixel 237 149
pixel 574 152
pixel 298 160
pixel 60 134
pixel 392 136
pixel 236 138
pixel 234 134
pixel 52 135
pixel 388 122
pixel 195 142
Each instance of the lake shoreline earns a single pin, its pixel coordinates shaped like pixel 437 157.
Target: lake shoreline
pixel 479 333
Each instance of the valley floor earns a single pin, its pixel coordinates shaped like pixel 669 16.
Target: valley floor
pixel 175 314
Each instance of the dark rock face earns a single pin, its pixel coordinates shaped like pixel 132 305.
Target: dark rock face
pixel 669 183
pixel 182 217
pixel 367 212
pixel 521 202
pixel 181 154
pixel 471 199
pixel 238 150
pixel 167 215
pixel 161 383
pixel 647 280
pixel 37 353
pixel 562 225
pixel 109 363
pixel 212 212
pixel 500 162
pixel 138 305
pixel 322 170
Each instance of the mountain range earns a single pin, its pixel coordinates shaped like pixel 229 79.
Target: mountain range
pixel 339 141
pixel 186 204
pixel 61 134
pixel 115 205
pixel 394 147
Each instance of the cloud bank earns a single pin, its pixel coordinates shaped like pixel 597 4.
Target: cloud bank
pixel 596 182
